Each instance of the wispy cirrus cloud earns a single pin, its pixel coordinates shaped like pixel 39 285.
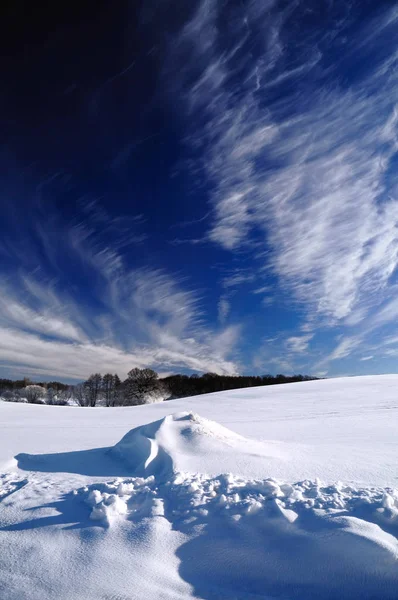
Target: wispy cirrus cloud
pixel 14 314
pixel 312 168
pixel 298 344
pixel 290 125
pixel 224 306
pixel 372 335
pixel 158 327
pixel 111 316
pixel 237 277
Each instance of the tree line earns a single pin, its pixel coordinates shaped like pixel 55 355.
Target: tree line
pixel 194 385
pixel 142 386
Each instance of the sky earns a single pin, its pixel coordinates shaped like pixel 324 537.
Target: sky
pixel 205 186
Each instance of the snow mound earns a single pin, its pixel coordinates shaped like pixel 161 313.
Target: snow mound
pixel 161 447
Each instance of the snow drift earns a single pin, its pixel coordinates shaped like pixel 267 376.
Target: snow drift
pixel 178 441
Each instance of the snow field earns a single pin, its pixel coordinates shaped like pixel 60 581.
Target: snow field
pixel 185 507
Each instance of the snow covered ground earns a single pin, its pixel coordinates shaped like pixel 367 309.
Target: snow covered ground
pixel 285 492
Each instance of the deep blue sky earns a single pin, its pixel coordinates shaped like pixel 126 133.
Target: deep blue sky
pixel 202 186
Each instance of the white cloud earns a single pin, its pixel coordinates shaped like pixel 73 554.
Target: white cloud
pixel 150 320
pixel 265 289
pixel 324 207
pixel 125 317
pixel 344 348
pixel 267 301
pixel 61 359
pixel 83 309
pixel 386 314
pixel 51 318
pixel 17 314
pixel 224 307
pixel 281 365
pixel 223 340
pixel 237 277
pixel 298 344
pixel 391 340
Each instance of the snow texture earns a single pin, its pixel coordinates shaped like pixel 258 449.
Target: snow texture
pixel 285 492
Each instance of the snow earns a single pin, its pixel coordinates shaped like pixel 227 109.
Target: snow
pixel 188 442
pixel 279 492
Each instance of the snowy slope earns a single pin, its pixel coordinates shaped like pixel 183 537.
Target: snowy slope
pixel 279 492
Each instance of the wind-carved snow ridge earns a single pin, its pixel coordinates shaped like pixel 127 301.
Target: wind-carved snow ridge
pixel 154 448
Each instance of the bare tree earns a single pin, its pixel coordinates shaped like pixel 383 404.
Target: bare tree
pixel 50 395
pixel 117 390
pixel 64 396
pixel 10 395
pixel 80 394
pixel 140 384
pixel 93 387
pixel 109 384
pixel 60 398
pixel 34 393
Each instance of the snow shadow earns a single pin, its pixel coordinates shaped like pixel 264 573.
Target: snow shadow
pixel 71 513
pixel 9 487
pixel 265 556
pixel 261 539
pixel 95 462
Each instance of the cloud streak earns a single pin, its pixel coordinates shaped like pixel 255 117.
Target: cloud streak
pixel 286 189
pixel 313 169
pixel 126 316
pixel 159 326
